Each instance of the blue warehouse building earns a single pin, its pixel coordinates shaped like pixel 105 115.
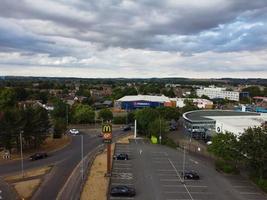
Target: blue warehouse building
pixel 140 101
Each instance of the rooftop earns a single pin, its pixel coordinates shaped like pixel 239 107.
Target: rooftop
pixel 207 115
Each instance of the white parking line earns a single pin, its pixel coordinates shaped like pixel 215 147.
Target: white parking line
pixel 242 186
pixel 121 168
pixel 128 184
pixel 250 193
pixel 180 179
pixel 176 192
pixel 121 198
pixel 168 179
pixel 193 161
pixel 123 164
pixel 165 170
pixel 189 186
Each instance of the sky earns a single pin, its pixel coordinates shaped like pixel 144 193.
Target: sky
pixel 134 38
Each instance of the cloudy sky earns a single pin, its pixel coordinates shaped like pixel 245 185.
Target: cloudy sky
pixel 134 38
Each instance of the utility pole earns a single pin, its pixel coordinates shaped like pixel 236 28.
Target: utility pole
pixel 160 130
pixel 184 165
pixel 21 155
pixel 82 170
pixel 135 128
pixel 67 114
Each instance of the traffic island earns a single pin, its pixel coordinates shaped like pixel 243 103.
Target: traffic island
pixel 26 185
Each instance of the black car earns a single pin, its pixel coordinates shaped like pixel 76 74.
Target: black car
pixel 190 175
pixel 127 128
pixel 121 156
pixel 122 191
pixel 38 156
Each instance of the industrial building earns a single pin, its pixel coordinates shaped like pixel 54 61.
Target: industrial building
pixel 218 93
pixel 203 123
pixel 133 102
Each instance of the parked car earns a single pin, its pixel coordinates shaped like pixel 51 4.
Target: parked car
pixel 122 191
pixel 126 128
pixel 121 156
pixel 38 156
pixel 74 131
pixel 190 175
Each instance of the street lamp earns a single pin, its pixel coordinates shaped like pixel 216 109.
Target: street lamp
pixel 21 154
pixel 82 170
pixel 160 137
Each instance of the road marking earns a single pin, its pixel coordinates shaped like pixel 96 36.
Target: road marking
pixel 190 186
pixel 166 179
pixel 180 179
pixel 123 164
pixel 121 198
pixel 242 186
pixel 128 184
pixel 140 152
pixel 251 193
pixel 176 192
pixel 165 170
pixel 121 168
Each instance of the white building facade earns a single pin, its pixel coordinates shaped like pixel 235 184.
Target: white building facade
pixel 222 93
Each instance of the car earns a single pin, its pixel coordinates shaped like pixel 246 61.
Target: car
pixel 190 175
pixel 38 156
pixel 122 191
pixel 121 156
pixel 126 128
pixel 74 131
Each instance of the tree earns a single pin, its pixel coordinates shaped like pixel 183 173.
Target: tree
pixel 169 113
pixel 36 126
pixel 105 114
pixel 7 98
pixel 253 144
pixel 158 127
pixel 225 146
pixel 11 124
pixel 60 109
pixel 144 117
pixel 83 114
pixel 253 91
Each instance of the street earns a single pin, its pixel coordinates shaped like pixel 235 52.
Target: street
pixel 64 161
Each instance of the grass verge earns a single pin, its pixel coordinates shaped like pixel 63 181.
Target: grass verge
pixel 226 167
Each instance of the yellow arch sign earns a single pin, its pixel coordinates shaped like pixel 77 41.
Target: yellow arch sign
pixel 106 128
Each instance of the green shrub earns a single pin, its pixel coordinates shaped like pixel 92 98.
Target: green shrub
pixel 226 167
pixel 119 120
pixel 169 142
pixel 262 183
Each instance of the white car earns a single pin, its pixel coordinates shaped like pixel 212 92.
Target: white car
pixel 74 131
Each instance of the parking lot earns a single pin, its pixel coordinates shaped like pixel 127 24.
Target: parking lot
pixel 155 172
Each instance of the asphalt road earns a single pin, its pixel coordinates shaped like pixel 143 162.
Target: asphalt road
pixel 154 171
pixel 64 162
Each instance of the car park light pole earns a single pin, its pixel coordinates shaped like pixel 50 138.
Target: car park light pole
pixel 82 170
pixel 184 166
pixel 21 154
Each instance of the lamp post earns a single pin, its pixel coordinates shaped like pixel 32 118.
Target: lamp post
pixel 82 170
pixel 21 154
pixel 160 137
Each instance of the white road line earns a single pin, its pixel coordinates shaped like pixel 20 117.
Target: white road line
pixel 242 186
pixel 176 192
pixel 165 170
pixel 121 168
pixel 128 184
pixel 189 186
pixel 126 164
pixel 180 179
pixel 170 174
pixel 168 179
pixel 121 198
pixel 251 193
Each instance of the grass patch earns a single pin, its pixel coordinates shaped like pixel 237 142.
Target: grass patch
pixel 25 189
pixel 226 167
pixel 261 183
pixel 169 142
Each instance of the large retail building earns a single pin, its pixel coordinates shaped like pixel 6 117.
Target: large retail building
pixel 203 123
